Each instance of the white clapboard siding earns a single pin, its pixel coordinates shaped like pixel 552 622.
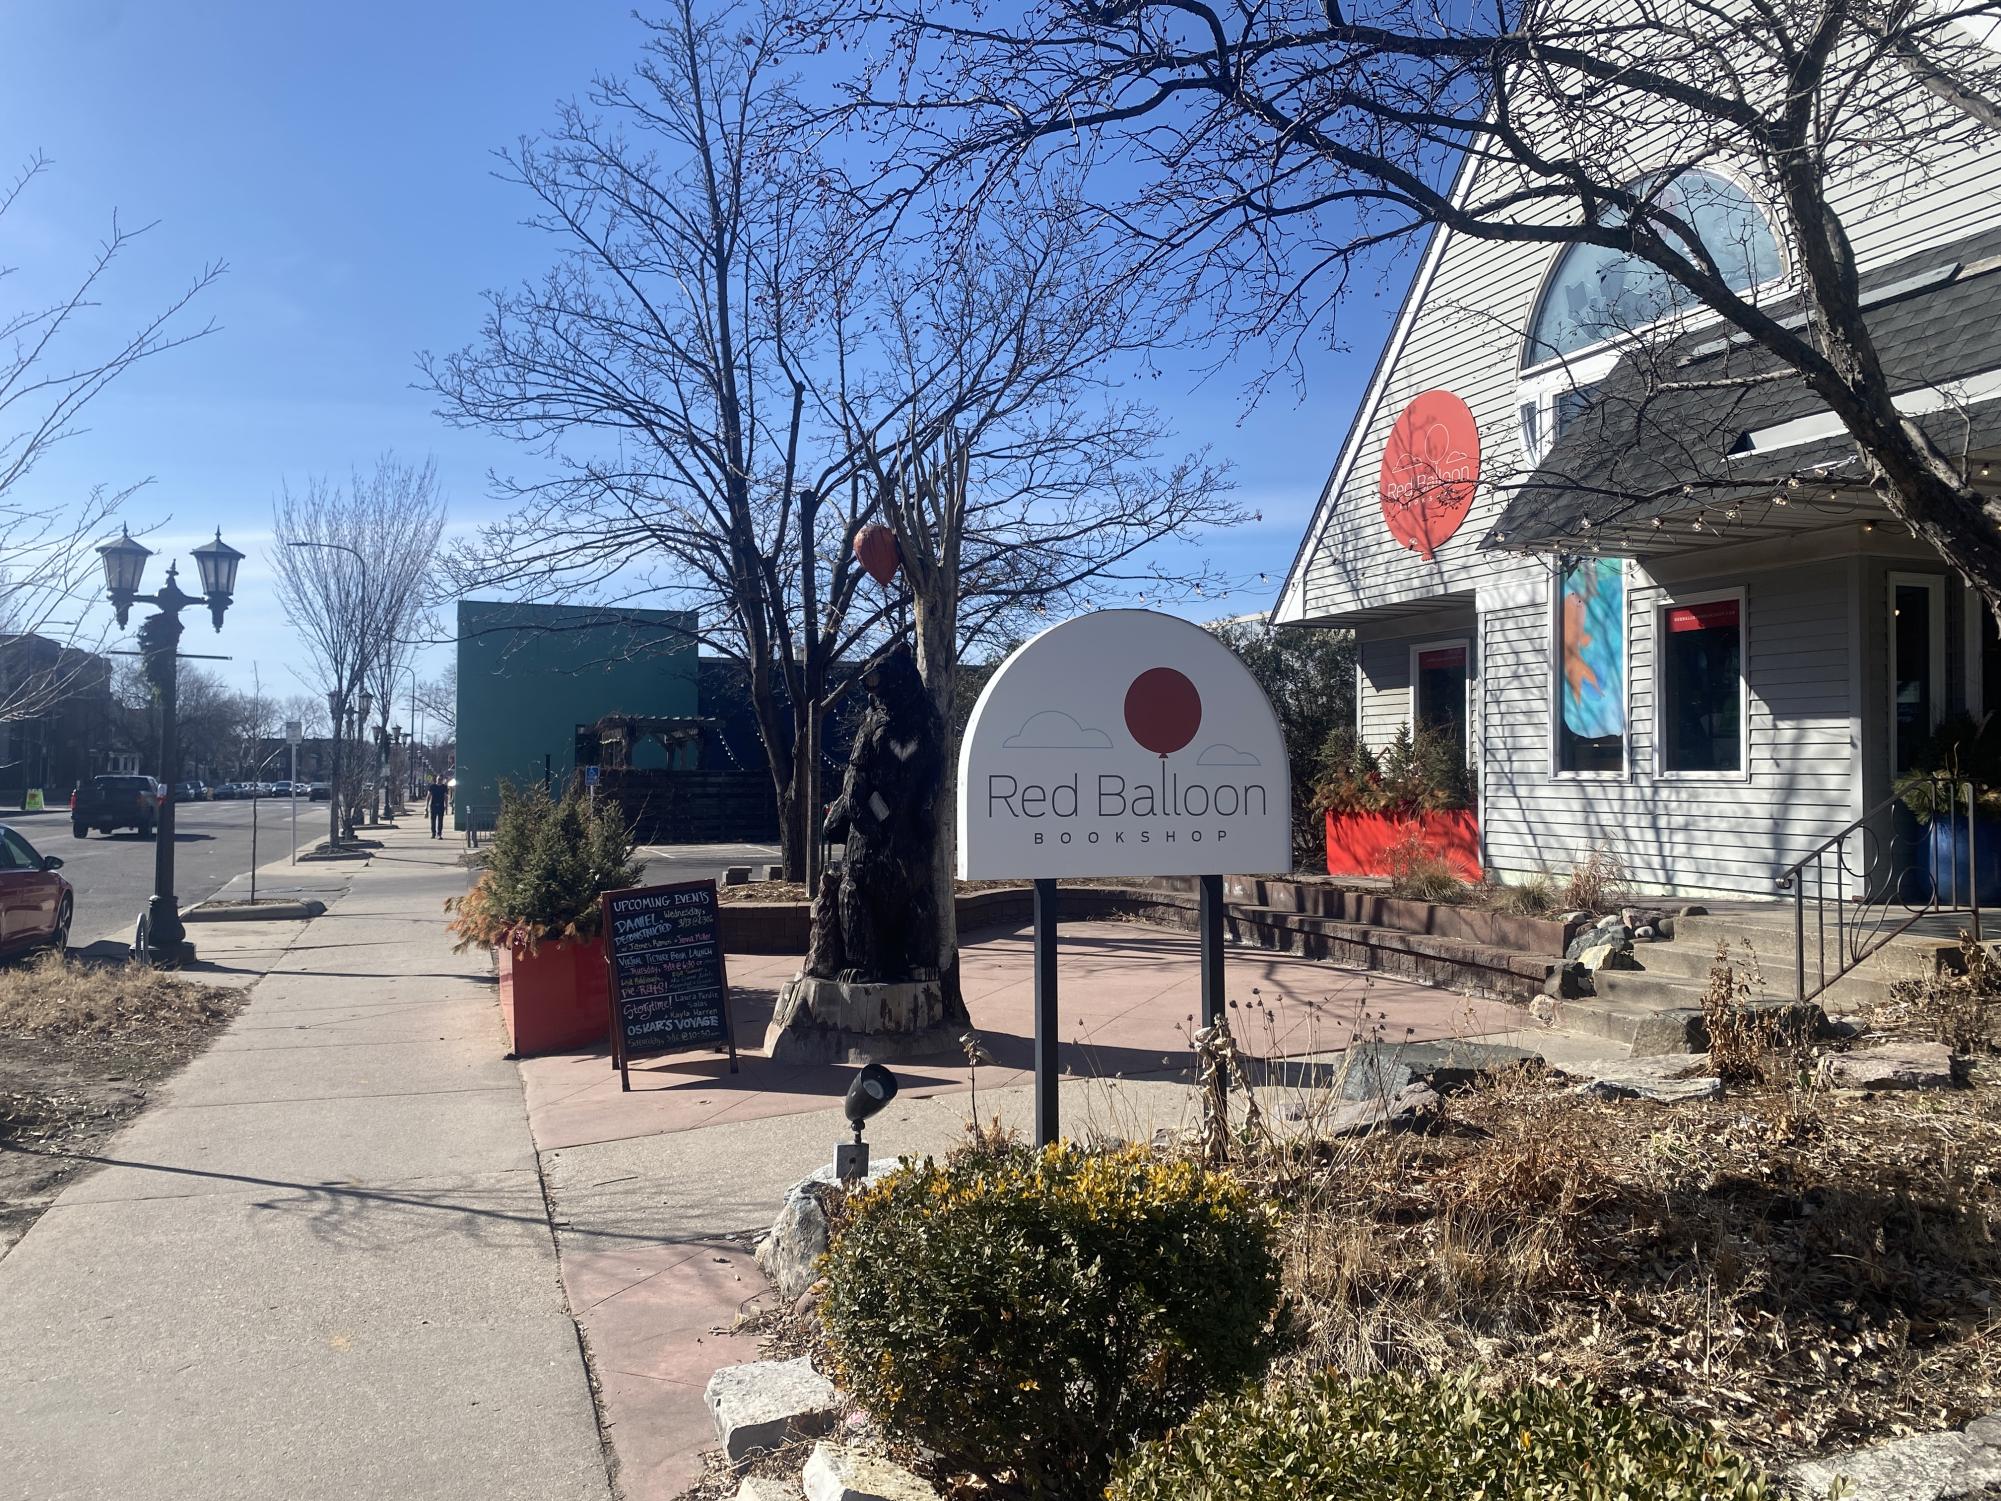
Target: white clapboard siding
pixel 1465 335
pixel 1709 835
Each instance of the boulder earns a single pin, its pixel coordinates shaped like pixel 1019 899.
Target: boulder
pixel 767 1403
pixel 1383 1070
pixel 1894 1065
pixel 836 1472
pixel 790 1251
pixel 1693 912
pixel 1543 1007
pixel 766 1488
pixel 1608 956
pixel 1400 1112
pixel 1923 1467
pixel 1681 1029
pixel 1568 981
pixel 1668 1078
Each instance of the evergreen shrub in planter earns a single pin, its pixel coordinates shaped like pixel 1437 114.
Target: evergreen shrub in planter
pixel 1028 1316
pixel 1397 1438
pixel 1416 797
pixel 536 904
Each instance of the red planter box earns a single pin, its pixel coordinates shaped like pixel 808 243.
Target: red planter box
pixel 557 999
pixel 1357 842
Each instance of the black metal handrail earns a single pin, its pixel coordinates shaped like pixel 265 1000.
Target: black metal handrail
pixel 1874 896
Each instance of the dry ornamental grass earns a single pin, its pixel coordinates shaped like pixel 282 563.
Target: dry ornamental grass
pixel 1804 1277
pixel 59 999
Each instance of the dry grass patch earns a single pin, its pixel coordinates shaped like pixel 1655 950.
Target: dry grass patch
pixel 1802 1271
pixel 61 999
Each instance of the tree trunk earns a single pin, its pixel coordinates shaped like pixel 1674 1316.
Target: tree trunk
pixel 938 665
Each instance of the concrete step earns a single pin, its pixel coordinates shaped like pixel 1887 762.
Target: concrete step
pixel 1770 935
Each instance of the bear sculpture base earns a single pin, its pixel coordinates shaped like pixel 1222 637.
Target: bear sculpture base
pixel 850 1021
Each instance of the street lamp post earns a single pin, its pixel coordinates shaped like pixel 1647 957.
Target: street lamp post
pixel 161 939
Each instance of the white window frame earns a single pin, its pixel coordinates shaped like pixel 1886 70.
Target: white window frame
pixel 1465 644
pixel 1934 585
pixel 1540 388
pixel 1553 680
pixel 1668 602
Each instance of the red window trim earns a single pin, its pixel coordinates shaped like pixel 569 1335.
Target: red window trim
pixel 1444 656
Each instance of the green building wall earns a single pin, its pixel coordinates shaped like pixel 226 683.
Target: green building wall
pixel 532 676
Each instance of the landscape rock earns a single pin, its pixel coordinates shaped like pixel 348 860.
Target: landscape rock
pixel 1923 1467
pixel 790 1251
pixel 1668 1078
pixel 766 1488
pixel 1644 933
pixel 1693 912
pixel 1610 930
pixel 1608 956
pixel 1364 1116
pixel 1894 1065
pixel 1569 981
pixel 766 1403
pixel 1543 1007
pixel 1381 1070
pixel 1681 1029
pixel 838 1473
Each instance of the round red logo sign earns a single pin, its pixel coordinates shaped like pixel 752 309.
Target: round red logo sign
pixel 1431 466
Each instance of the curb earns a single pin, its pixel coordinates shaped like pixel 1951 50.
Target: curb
pixel 262 912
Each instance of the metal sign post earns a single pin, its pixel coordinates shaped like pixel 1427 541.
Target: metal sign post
pixel 295 731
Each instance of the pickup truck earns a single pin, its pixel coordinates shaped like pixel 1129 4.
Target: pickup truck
pixel 105 803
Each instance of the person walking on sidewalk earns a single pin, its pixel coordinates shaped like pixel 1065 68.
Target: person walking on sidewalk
pixel 438 792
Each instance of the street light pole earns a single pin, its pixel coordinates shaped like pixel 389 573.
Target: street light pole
pixel 160 938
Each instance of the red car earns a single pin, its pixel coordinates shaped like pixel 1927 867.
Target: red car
pixel 36 904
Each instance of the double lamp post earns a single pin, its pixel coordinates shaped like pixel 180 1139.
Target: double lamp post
pixel 160 938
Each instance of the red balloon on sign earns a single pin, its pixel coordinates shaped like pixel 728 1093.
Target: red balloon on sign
pixel 1163 710
pixel 875 546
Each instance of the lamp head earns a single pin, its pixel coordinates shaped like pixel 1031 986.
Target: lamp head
pixel 124 565
pixel 217 562
pixel 872 1089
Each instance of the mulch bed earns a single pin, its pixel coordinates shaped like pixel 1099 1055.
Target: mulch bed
pixel 82 1047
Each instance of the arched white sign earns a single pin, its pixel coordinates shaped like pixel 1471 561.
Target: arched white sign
pixel 1123 742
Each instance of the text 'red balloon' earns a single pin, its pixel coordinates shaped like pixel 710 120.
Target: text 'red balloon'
pixel 875 547
pixel 1163 710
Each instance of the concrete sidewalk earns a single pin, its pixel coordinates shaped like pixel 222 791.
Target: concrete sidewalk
pixel 321 1265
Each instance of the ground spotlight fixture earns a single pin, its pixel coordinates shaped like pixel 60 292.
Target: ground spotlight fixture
pixel 872 1089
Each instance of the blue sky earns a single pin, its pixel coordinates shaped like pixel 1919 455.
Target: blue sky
pixel 338 159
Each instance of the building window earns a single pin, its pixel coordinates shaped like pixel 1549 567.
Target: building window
pixel 1595 294
pixel 1438 691
pixel 1590 667
pixel 1702 686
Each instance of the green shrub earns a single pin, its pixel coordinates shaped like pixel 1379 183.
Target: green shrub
pixel 1028 1316
pixel 1396 1438
pixel 548 863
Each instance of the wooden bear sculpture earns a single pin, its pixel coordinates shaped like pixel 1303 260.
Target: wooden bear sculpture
pixel 874 920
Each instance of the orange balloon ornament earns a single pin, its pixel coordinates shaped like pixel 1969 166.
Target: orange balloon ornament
pixel 876 549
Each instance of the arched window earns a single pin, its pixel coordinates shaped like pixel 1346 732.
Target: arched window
pixel 1595 295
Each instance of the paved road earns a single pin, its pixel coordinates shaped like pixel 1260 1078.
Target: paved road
pixel 113 873
pixel 695 862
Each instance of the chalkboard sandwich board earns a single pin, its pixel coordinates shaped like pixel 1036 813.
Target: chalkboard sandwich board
pixel 670 991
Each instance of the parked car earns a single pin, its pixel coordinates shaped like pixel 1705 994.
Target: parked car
pixel 114 801
pixel 281 789
pixel 187 792
pixel 320 792
pixel 225 792
pixel 36 904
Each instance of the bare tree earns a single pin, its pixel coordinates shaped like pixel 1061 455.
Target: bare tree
pixel 1019 482
pixel 1253 156
pixel 48 570
pixel 354 567
pixel 721 377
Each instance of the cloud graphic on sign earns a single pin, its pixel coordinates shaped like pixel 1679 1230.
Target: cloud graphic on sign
pixel 1052 729
pixel 1220 754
